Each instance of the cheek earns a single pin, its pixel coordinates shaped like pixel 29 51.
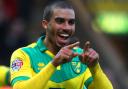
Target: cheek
pixel 52 33
pixel 50 29
pixel 73 30
pixel 57 26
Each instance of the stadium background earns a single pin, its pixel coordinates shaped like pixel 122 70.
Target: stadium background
pixel 103 22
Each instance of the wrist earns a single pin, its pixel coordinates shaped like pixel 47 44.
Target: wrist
pixel 54 63
pixel 93 64
pixel 94 68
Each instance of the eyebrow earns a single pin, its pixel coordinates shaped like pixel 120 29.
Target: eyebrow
pixel 64 17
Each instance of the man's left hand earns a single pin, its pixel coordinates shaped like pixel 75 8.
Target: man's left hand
pixel 90 56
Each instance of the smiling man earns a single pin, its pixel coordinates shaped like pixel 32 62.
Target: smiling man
pixel 55 63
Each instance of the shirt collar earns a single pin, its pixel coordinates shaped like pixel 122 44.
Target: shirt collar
pixel 40 44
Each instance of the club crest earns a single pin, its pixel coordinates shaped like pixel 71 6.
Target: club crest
pixel 76 67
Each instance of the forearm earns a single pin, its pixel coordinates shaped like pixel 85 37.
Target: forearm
pixel 38 81
pixel 100 79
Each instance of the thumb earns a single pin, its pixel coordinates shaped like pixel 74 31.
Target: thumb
pixel 87 46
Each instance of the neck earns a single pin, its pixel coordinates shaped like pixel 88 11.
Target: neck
pixel 52 47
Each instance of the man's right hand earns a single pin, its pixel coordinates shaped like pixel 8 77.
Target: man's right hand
pixel 65 54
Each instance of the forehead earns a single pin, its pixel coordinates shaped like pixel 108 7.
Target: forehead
pixel 64 13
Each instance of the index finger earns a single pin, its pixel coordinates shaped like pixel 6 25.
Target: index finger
pixel 73 45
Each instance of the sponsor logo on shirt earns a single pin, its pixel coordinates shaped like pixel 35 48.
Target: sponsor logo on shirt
pixel 16 64
pixel 40 65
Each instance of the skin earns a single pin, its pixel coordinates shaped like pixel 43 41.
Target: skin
pixel 52 39
pixel 57 44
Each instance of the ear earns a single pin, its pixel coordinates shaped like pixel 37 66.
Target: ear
pixel 45 24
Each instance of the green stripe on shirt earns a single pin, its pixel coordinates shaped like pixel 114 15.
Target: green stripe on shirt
pixel 19 79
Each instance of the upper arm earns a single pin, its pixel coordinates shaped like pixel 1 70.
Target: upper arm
pixel 20 66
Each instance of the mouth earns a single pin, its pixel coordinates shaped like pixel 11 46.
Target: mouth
pixel 62 38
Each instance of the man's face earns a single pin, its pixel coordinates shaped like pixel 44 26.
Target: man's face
pixel 61 26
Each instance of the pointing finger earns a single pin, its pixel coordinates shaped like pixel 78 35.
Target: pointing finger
pixel 73 45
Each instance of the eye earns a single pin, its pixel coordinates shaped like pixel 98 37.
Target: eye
pixel 71 21
pixel 59 20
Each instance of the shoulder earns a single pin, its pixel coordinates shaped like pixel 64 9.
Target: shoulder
pixel 21 52
pixel 22 49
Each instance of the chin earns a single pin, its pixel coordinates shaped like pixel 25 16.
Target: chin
pixel 60 45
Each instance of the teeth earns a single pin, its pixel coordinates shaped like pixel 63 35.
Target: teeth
pixel 64 35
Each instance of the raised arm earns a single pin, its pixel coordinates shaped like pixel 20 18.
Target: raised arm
pixel 90 57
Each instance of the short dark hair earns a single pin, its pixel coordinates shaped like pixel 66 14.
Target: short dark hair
pixel 48 11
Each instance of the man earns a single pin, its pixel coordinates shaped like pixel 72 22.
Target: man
pixel 52 62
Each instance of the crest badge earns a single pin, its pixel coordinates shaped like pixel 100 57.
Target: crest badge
pixel 76 67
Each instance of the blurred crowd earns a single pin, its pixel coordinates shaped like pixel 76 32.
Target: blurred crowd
pixel 14 16
pixel 18 21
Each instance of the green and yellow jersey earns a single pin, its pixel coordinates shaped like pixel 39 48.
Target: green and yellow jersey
pixel 31 68
pixel 4 75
